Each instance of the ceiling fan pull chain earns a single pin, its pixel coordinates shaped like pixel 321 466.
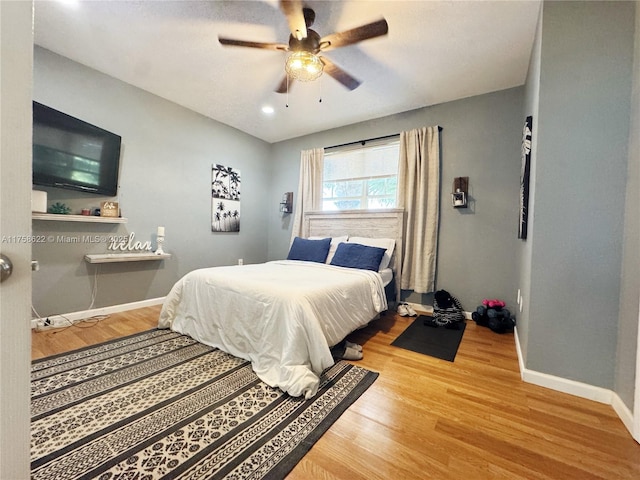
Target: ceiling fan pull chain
pixel 287 104
pixel 320 87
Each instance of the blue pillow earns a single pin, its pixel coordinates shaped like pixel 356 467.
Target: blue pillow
pixel 356 255
pixel 309 250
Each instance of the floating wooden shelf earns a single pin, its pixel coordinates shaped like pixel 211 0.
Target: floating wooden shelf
pixel 124 257
pixel 77 218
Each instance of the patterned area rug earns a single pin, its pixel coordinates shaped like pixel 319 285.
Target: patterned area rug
pixel 159 405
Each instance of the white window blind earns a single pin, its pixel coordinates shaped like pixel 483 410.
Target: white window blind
pixel 361 177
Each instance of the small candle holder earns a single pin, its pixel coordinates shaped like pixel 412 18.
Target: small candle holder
pixel 159 250
pixel 160 240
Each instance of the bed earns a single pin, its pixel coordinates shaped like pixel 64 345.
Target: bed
pixel 284 315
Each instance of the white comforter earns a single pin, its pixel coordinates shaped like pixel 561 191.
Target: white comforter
pixel 282 316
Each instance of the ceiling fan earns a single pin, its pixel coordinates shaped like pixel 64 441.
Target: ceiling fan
pixel 304 62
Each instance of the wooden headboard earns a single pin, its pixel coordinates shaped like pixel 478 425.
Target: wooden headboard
pixel 361 223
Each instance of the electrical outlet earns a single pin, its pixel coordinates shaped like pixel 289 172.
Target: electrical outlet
pixel 240 261
pixel 55 322
pixel 44 324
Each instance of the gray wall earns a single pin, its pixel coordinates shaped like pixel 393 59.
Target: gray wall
pixel 532 97
pixel 630 285
pixel 580 183
pixel 165 178
pixel 481 139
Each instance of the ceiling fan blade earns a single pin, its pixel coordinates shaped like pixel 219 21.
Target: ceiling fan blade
pixel 282 88
pixel 243 43
pixel 339 74
pixel 292 9
pixel 355 35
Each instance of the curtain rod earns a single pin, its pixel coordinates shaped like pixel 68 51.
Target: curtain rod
pixel 362 142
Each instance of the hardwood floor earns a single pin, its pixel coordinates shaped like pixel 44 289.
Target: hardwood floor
pixel 428 418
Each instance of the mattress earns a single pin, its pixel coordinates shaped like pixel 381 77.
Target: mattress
pixel 283 316
pixel 387 275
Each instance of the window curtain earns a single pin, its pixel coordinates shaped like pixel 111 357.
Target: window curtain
pixel 309 196
pixel 419 196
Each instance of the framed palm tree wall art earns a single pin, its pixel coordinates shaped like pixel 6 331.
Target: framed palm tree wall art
pixel 225 199
pixel 524 177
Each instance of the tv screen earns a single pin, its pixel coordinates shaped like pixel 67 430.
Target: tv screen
pixel 70 153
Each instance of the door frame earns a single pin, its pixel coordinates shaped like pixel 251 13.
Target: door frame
pixel 16 80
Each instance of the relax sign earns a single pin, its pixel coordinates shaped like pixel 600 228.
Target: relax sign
pixel 128 244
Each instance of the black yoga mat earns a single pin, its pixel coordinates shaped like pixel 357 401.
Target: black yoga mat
pixel 439 342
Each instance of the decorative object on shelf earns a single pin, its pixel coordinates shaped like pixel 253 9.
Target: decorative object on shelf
pixel 460 192
pixel 225 199
pixel 127 244
pixel 86 211
pixel 38 201
pixel 96 212
pixel 160 240
pixel 109 209
pixel 286 205
pixel 59 209
pixel 527 136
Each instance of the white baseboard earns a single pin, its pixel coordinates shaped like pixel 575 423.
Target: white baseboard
pixel 623 412
pixel 61 320
pixel 418 307
pixel 579 389
pixel 519 352
pixel 560 384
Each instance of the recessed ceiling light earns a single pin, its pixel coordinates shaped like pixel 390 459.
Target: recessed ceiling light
pixel 268 110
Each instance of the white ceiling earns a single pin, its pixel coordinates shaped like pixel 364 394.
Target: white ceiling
pixel 436 51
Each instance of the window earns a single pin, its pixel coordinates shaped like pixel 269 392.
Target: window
pixel 361 177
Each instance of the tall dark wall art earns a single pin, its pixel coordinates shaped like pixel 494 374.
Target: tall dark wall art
pixel 524 177
pixel 225 199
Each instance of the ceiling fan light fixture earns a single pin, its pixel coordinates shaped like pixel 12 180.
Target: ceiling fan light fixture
pixel 303 66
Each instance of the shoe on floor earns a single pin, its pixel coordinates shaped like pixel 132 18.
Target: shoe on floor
pixel 410 310
pixel 355 346
pixel 402 310
pixel 351 354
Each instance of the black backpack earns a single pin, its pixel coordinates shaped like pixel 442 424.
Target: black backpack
pixel 447 310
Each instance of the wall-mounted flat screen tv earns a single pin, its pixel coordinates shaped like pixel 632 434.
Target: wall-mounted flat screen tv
pixel 73 154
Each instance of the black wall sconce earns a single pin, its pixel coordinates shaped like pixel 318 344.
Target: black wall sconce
pixel 460 192
pixel 286 205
